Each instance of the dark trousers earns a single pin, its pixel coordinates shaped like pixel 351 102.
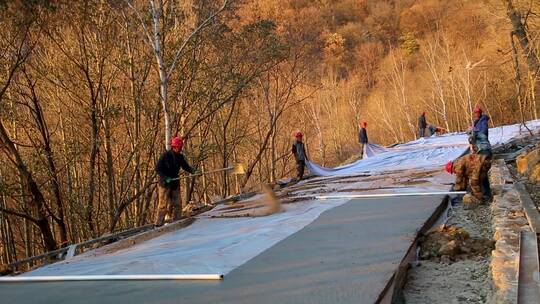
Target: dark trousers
pixel 362 145
pixel 484 176
pixel 421 132
pixel 300 164
pixel 168 203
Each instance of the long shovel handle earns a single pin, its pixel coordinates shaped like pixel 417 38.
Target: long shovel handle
pixel 204 173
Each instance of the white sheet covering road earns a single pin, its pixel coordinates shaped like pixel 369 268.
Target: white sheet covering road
pixel 217 246
pixel 371 150
pixel 426 152
pixel 208 246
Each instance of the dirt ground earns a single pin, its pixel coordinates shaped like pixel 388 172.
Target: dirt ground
pixel 458 275
pixel 532 187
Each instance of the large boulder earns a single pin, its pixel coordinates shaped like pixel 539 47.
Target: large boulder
pixel 527 162
pixel 535 174
pixel 450 248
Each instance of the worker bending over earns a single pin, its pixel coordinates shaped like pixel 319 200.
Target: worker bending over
pixel 472 170
pixel 168 169
pixel 299 152
pixel 435 130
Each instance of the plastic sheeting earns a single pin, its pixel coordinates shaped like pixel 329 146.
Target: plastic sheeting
pixel 217 246
pixel 427 152
pixel 371 150
pixel 208 246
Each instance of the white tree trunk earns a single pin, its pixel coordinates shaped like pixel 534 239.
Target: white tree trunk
pixel 157 12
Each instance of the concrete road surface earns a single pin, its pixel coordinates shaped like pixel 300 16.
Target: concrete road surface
pixel 347 255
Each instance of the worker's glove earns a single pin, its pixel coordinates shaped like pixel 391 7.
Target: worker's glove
pixel 167 180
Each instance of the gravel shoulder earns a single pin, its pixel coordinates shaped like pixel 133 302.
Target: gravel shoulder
pixel 463 278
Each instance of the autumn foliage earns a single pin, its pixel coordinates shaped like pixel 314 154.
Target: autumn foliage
pixel 91 91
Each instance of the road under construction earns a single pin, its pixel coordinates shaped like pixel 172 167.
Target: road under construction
pixel 346 235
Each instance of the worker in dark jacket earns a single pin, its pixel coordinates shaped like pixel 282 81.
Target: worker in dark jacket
pixel 299 152
pixel 422 125
pixel 479 141
pixel 362 138
pixel 480 121
pixel 168 169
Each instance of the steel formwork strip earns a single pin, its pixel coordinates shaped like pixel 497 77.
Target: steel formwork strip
pixel 141 277
pixel 375 195
pixel 529 274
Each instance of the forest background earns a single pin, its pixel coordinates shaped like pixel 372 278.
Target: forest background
pixel 91 91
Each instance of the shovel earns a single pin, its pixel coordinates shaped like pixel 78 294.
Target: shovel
pixel 237 169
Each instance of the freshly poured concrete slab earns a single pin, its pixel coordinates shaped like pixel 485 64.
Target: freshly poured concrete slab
pixel 347 255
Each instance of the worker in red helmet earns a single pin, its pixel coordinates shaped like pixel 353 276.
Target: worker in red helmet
pixel 168 169
pixel 422 125
pixel 299 151
pixel 481 121
pixel 362 138
pixel 470 171
pixel 479 135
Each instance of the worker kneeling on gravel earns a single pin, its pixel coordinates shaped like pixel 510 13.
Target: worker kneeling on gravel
pixel 168 169
pixel 471 170
pixel 299 151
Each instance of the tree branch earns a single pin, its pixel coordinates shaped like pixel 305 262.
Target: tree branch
pixel 193 33
pixel 16 213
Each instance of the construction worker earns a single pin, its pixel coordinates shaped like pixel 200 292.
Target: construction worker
pixel 299 152
pixel 168 169
pixel 362 138
pixel 480 142
pixel 422 125
pixel 480 121
pixel 432 130
pixel 470 171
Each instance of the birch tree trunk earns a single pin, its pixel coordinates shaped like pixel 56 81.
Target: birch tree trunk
pixel 520 32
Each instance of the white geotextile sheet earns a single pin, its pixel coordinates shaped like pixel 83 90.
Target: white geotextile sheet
pixel 208 246
pixel 370 150
pixel 217 245
pixel 427 152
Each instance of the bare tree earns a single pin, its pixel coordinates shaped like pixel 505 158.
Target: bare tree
pixel 159 28
pixel 519 31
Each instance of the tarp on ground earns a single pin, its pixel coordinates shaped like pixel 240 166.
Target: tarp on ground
pixel 218 245
pixel 427 152
pixel 371 150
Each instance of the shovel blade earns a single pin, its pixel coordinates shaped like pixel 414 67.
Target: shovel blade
pixel 238 169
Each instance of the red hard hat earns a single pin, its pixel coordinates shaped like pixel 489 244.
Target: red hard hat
pixel 449 167
pixel 477 109
pixel 364 123
pixel 298 134
pixel 177 142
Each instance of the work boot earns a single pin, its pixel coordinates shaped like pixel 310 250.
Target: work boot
pixel 470 202
pixel 456 200
pixel 160 219
pixel 487 199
